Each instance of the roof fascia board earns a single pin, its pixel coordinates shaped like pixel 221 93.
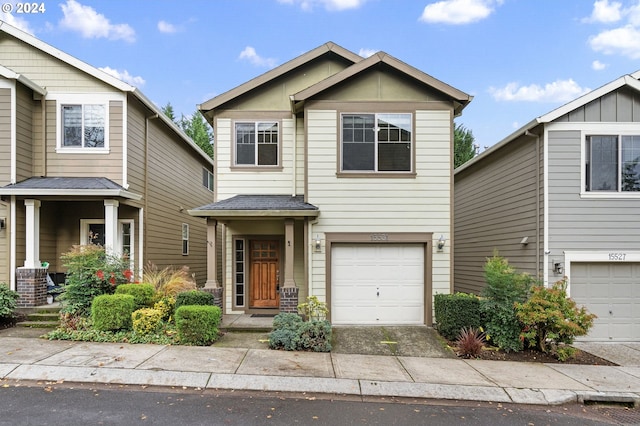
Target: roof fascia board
pixel 373 60
pixel 253 213
pixel 37 192
pixel 277 72
pixel 9 74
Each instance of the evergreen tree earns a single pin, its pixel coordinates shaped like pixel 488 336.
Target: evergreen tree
pixel 463 148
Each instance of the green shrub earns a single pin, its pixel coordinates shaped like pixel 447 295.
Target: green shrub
pixel 146 321
pixel 8 301
pixel 549 317
pixel 143 294
pixel 194 297
pixel 166 306
pixel 314 336
pixel 456 311
pixel 90 273
pixel 291 333
pixel 198 324
pixel 505 287
pixel 112 312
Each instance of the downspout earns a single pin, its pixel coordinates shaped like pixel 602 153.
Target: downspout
pixel 43 106
pixel 537 162
pixel 295 147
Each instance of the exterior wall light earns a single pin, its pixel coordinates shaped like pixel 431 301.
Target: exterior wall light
pixel 441 242
pixel 558 269
pixel 3 222
pixel 317 244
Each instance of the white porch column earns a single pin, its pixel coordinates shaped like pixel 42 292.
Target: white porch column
pixel 289 242
pixel 32 234
pixel 111 227
pixel 212 273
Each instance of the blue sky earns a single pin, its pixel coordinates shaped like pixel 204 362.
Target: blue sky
pixel 518 58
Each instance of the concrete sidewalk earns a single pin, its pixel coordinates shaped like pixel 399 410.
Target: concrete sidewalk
pixel 260 369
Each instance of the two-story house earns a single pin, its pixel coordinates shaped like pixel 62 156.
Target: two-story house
pixel 84 158
pixel 333 178
pixel 560 197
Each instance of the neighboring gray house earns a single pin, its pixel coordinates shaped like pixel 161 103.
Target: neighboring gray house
pixel 561 197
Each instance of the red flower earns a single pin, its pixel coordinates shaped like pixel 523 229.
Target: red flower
pixel 128 274
pixel 112 280
pixel 100 274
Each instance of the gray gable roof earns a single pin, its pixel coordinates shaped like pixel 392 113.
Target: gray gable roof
pixel 258 205
pixel 91 186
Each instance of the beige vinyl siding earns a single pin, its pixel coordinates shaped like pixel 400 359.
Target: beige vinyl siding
pixel 87 165
pixel 24 133
pixel 5 247
pixel 45 70
pixel 494 208
pixel 5 136
pixel 378 204
pixel 136 140
pixel 175 185
pixel 582 223
pixel 253 180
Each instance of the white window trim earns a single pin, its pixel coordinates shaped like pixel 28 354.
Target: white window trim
pixel 209 179
pixel 183 239
pixel 84 234
pixel 255 124
pixel 610 256
pixel 84 99
pixel 376 143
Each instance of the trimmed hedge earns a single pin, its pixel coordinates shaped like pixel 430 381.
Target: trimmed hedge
pixel 194 297
pixel 198 324
pixel 142 293
pixel 146 321
pixel 456 311
pixel 112 312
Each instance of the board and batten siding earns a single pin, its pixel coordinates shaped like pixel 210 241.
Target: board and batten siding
pixel 396 204
pixel 174 186
pixel 5 136
pixel 578 222
pixel 494 208
pixel 255 180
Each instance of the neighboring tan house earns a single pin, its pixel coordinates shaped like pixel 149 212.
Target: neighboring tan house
pixel 86 158
pixel 561 197
pixel 333 178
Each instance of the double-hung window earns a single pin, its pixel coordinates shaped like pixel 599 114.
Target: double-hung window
pixel 376 143
pixel 256 143
pixel 207 179
pixel 83 125
pixel 612 163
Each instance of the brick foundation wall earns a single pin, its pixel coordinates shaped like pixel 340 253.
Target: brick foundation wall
pixel 289 299
pixel 31 286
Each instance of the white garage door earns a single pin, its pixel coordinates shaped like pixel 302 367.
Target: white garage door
pixel 377 284
pixel 612 292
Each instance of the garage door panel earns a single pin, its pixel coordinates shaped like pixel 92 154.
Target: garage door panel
pixel 609 290
pixel 377 284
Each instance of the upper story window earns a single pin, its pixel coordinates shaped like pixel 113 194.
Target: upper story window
pixel 83 126
pixel 207 179
pixel 376 143
pixel 612 163
pixel 83 121
pixel 257 143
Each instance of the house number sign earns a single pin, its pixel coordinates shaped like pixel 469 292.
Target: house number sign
pixel 379 237
pixel 617 256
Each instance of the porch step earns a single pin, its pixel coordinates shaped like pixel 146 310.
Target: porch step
pixel 46 316
pixel 38 324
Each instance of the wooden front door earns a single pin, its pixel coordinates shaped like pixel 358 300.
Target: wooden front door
pixel 265 273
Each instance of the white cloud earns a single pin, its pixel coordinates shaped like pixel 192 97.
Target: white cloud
pixel 250 54
pixel 331 5
pixel 20 23
pixel 458 11
pixel 598 66
pixel 165 27
pixel 603 11
pixel 124 76
pixel 92 24
pixel 365 53
pixel 558 91
pixel 623 41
